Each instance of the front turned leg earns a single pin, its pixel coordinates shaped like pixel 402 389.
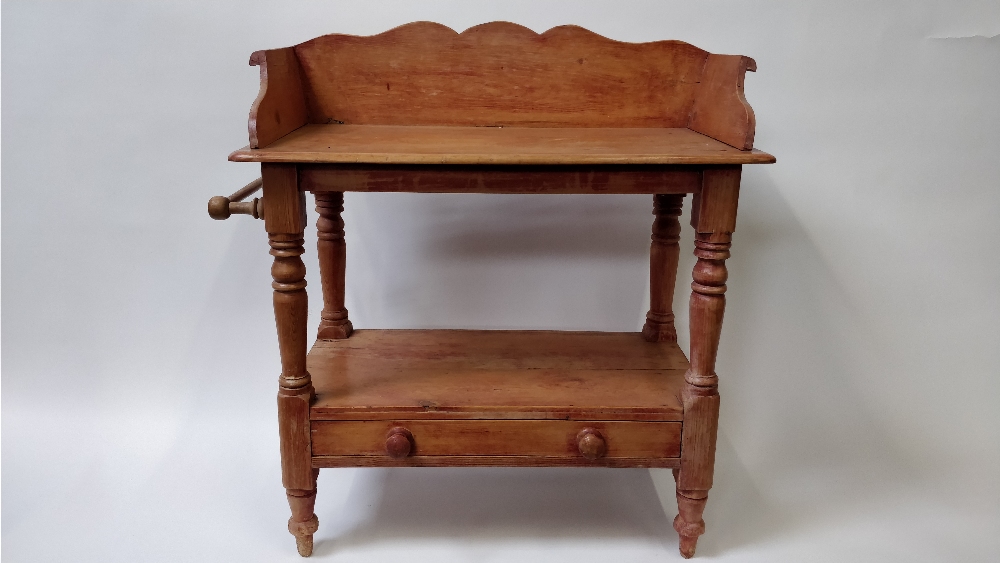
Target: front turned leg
pixel 701 393
pixel 284 221
pixel 332 251
pixel 295 390
pixel 714 219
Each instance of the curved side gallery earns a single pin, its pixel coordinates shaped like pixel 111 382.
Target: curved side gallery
pixel 500 74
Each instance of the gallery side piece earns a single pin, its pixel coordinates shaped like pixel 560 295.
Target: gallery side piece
pixel 498 109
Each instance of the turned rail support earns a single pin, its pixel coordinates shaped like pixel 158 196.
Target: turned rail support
pixel 221 207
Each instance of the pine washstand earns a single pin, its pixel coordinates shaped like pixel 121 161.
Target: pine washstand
pixel 497 109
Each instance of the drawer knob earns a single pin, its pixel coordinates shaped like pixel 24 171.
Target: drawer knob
pixel 399 442
pixel 591 443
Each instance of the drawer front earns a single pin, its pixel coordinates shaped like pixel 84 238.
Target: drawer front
pixel 538 438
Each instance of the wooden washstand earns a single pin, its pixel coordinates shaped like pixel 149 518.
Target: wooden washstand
pixel 498 109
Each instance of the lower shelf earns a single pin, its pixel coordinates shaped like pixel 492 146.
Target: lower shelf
pixel 470 374
pixel 507 398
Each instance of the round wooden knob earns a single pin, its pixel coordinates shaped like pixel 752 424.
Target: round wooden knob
pixel 399 442
pixel 218 207
pixel 591 443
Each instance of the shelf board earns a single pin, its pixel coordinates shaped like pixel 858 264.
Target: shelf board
pixel 477 374
pixel 455 145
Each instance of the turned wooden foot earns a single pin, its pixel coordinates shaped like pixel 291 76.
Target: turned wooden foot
pixel 689 523
pixel 303 523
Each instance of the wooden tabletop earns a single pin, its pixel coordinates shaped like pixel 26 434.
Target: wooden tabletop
pixel 394 144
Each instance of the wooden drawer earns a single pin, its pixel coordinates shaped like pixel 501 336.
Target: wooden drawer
pixel 558 439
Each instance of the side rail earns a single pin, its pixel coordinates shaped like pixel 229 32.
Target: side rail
pixel 221 207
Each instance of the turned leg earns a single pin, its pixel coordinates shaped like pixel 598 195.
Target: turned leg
pixel 689 523
pixel 332 250
pixel 714 219
pixel 284 221
pixel 303 523
pixel 663 255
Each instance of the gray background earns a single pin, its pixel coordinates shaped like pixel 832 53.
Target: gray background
pixel 859 358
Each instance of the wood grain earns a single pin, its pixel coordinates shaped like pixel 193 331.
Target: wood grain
pixel 720 109
pixel 398 443
pixel 293 434
pixel 280 106
pixel 497 438
pixel 591 444
pixel 285 207
pixel 701 412
pixel 498 108
pixel 491 461
pixel 397 144
pixel 664 252
pixel 499 73
pixel 689 523
pixel 303 523
pixel 459 374
pixel 592 179
pixel 714 207
pixel 284 224
pixel 332 250
pixel 714 220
